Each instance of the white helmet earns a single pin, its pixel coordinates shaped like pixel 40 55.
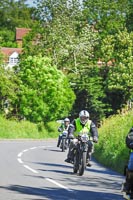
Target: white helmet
pixel 84 116
pixel 66 120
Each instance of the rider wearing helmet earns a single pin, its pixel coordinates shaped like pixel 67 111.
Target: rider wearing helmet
pixel 82 123
pixel 128 169
pixel 63 127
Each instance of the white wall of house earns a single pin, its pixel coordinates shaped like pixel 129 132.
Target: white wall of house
pixel 13 60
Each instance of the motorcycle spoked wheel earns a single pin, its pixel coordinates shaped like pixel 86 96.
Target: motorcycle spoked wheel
pixel 63 145
pixel 75 162
pixel 82 163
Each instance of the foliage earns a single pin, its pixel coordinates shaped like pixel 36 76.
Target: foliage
pixel 65 36
pixel 75 36
pixel 8 87
pixel 90 94
pixel 70 41
pixel 129 17
pixel 14 14
pixel 44 92
pixel 7 38
pixel 118 78
pixel 111 144
pixel 108 17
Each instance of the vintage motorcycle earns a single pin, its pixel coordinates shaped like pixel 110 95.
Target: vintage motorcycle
pixel 80 154
pixel 127 186
pixel 64 144
pixel 129 178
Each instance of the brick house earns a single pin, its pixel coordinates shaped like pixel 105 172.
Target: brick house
pixel 11 55
pixel 20 33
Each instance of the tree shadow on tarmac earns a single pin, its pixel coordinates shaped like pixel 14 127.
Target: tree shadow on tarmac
pixel 60 194
pixel 99 169
pixel 101 178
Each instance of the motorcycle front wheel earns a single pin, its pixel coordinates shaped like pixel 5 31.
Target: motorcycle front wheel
pixel 63 144
pixel 82 163
pixel 75 163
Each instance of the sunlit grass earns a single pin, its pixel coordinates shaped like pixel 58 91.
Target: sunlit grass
pixel 11 129
pixel 111 149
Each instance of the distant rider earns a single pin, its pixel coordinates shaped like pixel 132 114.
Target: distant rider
pixel 63 127
pixel 82 123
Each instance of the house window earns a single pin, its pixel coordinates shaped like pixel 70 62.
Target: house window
pixel 13 60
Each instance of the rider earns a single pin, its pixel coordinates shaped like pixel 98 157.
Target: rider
pixel 82 123
pixel 63 127
pixel 129 167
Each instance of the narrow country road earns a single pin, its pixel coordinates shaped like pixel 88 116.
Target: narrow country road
pixel 35 170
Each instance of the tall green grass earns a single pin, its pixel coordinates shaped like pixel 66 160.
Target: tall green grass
pixel 111 149
pixel 11 129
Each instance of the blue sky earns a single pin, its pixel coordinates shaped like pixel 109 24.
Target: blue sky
pixel 30 2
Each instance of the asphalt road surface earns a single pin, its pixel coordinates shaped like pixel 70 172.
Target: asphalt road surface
pixel 35 170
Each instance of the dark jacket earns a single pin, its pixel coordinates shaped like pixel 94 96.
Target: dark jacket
pixel 129 139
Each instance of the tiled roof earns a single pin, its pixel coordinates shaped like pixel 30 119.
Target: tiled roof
pixel 8 51
pixel 21 32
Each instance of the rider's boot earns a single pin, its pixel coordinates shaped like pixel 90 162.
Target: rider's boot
pixel 88 163
pixel 59 141
pixel 58 144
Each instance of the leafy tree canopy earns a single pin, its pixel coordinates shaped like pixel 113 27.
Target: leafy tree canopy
pixel 8 87
pixel 45 93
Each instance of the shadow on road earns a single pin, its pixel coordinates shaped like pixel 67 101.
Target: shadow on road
pixel 97 170
pixel 60 194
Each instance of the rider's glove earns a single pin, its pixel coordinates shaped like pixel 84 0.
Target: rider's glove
pixel 59 129
pixel 95 139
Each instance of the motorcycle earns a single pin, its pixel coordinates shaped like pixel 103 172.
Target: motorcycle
pixel 80 154
pixel 129 179
pixel 64 144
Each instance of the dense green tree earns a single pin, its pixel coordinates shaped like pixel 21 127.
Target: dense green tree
pixel 107 16
pixel 7 38
pixel 64 37
pixel 76 36
pixel 44 92
pixel 129 16
pixel 69 40
pixel 90 94
pixel 15 14
pixel 8 89
pixel 118 77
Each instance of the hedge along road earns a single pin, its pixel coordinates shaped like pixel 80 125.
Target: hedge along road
pixel 35 170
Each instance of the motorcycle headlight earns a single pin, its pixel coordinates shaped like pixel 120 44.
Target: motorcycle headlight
pixel 64 133
pixel 84 138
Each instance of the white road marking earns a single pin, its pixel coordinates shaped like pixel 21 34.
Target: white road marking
pixel 19 160
pixel 25 150
pixel 20 154
pixel 30 169
pixel 34 171
pixel 33 148
pixel 58 184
